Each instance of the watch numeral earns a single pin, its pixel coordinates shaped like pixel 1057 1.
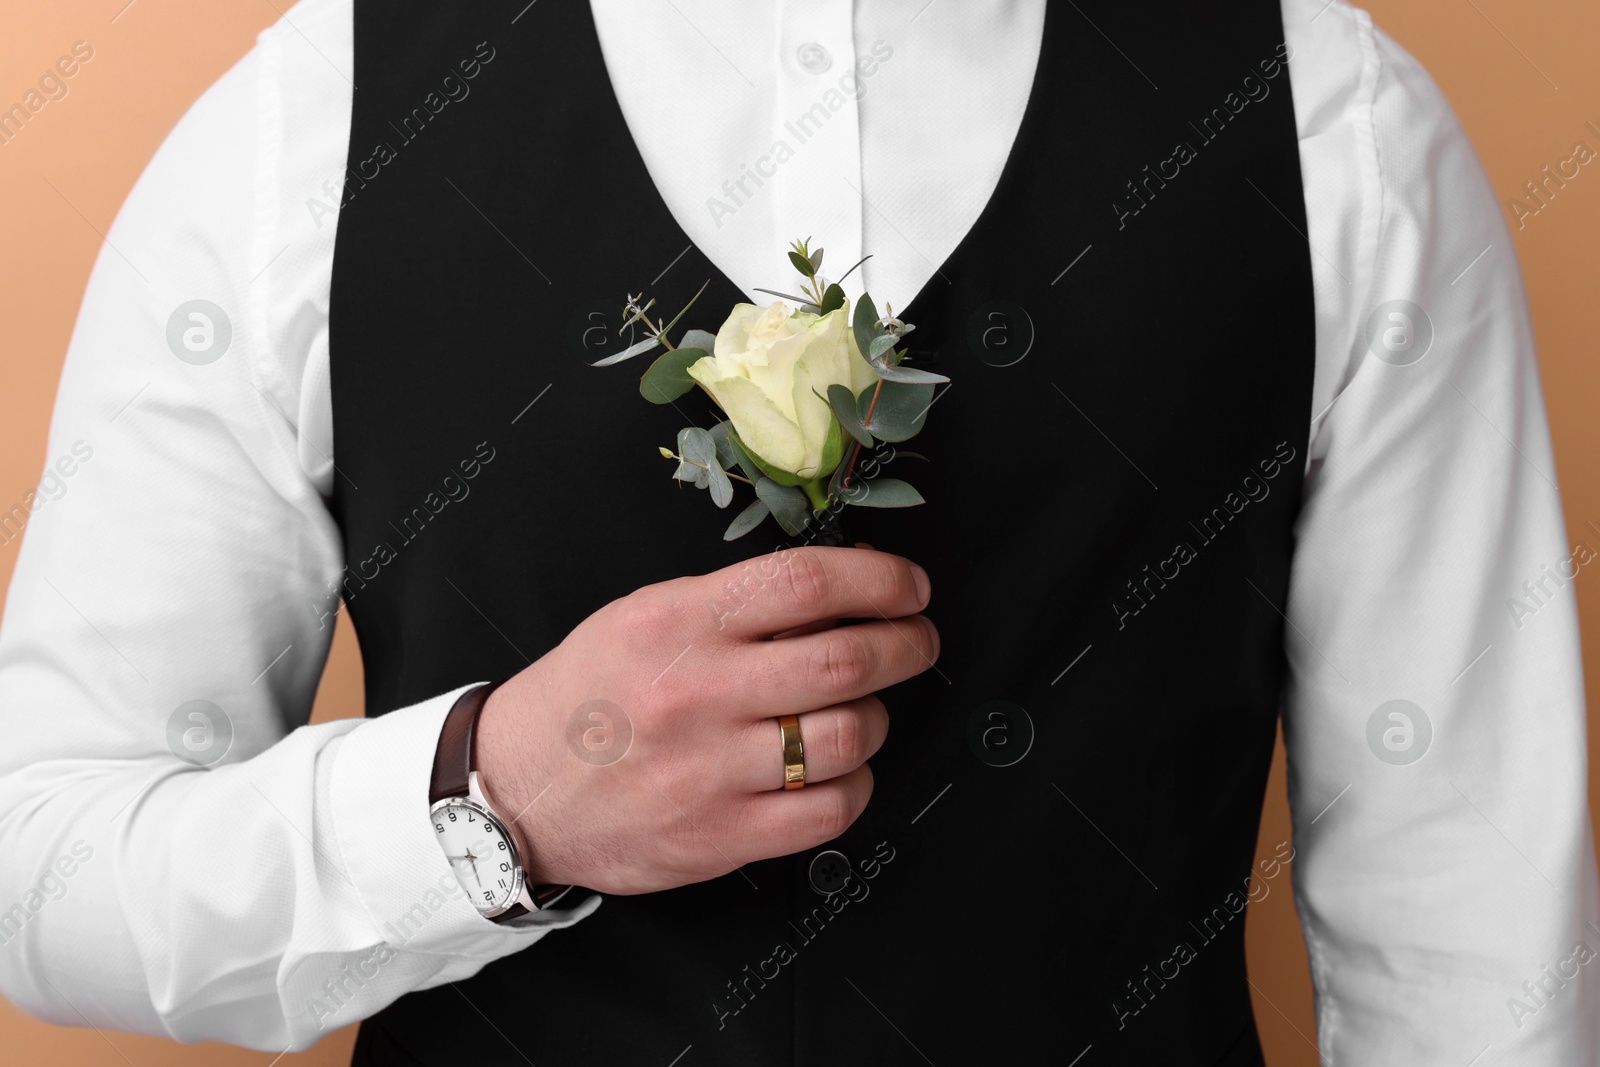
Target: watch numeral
pixel 488 896
pixel 502 844
pixel 451 815
pixel 504 866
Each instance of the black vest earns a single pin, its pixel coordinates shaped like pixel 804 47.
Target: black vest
pixel 1065 815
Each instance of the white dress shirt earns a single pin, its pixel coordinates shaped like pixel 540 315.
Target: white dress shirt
pixel 295 885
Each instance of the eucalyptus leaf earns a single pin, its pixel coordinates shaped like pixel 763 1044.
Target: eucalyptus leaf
pixel 727 451
pixel 730 453
pixel 721 488
pixel 699 339
pixel 696 445
pixel 832 298
pixel 747 520
pixel 801 264
pixel 816 261
pixel 885 493
pixel 803 301
pixel 901 410
pixel 788 296
pixel 880 345
pixel 864 401
pixel 668 377
pixel 844 409
pixel 688 472
pixel 865 323
pixel 787 504
pixel 628 353
pixel 909 375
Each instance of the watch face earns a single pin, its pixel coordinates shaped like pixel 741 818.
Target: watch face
pixel 484 859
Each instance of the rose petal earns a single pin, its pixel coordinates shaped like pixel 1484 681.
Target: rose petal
pixel 760 424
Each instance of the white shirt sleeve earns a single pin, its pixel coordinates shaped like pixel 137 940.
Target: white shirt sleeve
pixel 238 876
pixel 1445 877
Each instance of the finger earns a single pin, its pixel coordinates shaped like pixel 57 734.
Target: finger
pixel 786 821
pixel 794 586
pixel 833 666
pixel 836 740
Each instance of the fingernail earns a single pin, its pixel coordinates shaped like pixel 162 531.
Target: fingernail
pixel 862 544
pixel 920 576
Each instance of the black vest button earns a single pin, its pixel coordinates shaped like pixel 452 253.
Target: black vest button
pixel 828 872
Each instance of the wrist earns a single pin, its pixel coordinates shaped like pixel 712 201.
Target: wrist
pixel 504 785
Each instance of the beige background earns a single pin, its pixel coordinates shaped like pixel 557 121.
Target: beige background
pixel 1523 76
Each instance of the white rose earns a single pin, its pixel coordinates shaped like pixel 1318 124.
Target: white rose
pixel 770 373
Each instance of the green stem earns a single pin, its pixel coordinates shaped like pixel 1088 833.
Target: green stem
pixel 702 466
pixel 660 335
pixel 817 492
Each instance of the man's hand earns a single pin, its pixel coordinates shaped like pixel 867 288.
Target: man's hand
pixel 643 752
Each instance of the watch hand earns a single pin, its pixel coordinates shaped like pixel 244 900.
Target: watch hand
pixel 473 859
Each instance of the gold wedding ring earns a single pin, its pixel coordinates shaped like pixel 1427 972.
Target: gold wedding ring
pixel 794 752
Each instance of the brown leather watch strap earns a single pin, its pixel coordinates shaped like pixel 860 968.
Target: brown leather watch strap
pixel 543 897
pixel 452 760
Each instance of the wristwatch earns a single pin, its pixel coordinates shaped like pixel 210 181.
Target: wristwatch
pixel 481 849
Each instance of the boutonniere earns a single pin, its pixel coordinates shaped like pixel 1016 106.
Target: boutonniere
pixel 809 394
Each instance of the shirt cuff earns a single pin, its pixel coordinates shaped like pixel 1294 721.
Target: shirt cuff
pixel 379 796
